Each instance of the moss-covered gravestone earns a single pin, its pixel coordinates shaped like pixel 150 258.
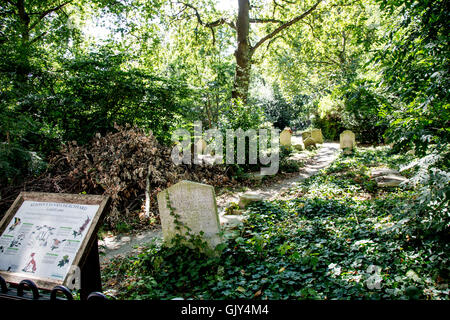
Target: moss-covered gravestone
pixel 347 141
pixel 316 134
pixel 309 143
pixel 192 207
pixel 285 137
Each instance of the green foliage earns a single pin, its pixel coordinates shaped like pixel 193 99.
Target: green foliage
pixel 415 77
pixel 17 132
pixel 287 165
pixel 430 209
pixel 100 90
pixel 415 74
pixel 333 243
pixel 13 162
pixel 330 124
pixel 283 113
pixel 355 107
pixel 240 116
pixel 362 112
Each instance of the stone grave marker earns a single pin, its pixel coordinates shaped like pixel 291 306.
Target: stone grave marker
pixel 309 143
pixel 347 140
pixel 306 135
pixel 285 137
pixel 386 177
pixel 249 197
pixel 316 134
pixel 195 203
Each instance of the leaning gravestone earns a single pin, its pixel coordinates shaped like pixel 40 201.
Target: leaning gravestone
pixel 309 143
pixel 249 197
pixel 195 205
pixel 316 134
pixel 306 135
pixel 285 137
pixel 347 140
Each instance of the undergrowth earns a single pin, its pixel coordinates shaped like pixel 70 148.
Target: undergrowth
pixel 341 238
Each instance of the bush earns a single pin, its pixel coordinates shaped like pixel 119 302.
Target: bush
pixel 330 124
pixel 429 212
pixel 362 113
pixel 289 166
pixel 352 107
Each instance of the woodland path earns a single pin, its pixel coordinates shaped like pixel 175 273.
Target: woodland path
pixel 129 244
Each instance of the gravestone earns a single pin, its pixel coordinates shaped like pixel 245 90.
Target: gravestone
pixel 285 137
pixel 390 180
pixel 383 172
pixel 347 140
pixel 309 143
pixel 195 203
pixel 249 197
pixel 306 135
pixel 386 177
pixel 316 134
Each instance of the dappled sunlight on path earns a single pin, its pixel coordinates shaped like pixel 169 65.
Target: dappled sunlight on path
pixel 325 156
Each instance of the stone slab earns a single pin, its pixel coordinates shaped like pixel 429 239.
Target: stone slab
pixel 195 203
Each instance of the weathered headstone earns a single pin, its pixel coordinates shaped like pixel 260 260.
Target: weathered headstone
pixel 316 134
pixel 347 140
pixel 306 135
pixel 383 172
pixel 309 142
pixel 285 137
pixel 386 177
pixel 195 205
pixel 248 198
pixel 390 180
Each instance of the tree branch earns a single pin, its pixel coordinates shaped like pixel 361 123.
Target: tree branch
pixel 212 24
pixel 285 25
pixel 268 46
pixel 38 37
pixel 254 20
pixel 11 2
pixel 47 12
pixel 312 30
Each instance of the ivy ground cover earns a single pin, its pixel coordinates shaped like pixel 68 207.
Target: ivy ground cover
pixel 338 237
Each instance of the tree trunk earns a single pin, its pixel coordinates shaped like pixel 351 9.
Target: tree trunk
pixel 243 53
pixel 23 63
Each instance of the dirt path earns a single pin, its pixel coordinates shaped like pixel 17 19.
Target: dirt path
pixel 325 156
pixel 128 244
